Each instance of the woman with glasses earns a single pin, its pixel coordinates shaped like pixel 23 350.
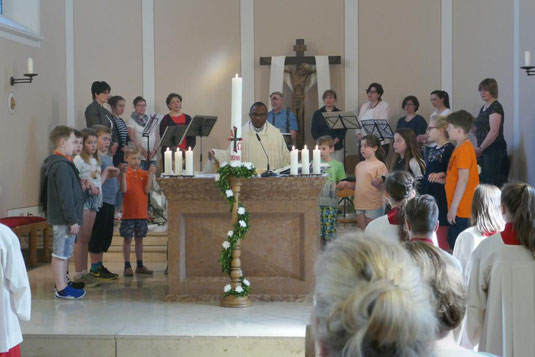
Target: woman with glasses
pixel 375 108
pixel 411 120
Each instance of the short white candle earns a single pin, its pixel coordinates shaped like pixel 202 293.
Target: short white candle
pixel 294 162
pixel 189 162
pixel 178 162
pixel 316 161
pixel 30 65
pixel 527 58
pixel 305 161
pixel 168 161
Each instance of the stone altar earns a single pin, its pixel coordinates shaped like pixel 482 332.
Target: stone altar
pixel 277 254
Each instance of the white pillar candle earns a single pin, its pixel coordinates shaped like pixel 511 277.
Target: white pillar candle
pixel 30 65
pixel 316 161
pixel 189 162
pixel 305 161
pixel 527 58
pixel 294 162
pixel 168 161
pixel 178 162
pixel 236 116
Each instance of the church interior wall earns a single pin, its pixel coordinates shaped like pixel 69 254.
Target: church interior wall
pixel 40 106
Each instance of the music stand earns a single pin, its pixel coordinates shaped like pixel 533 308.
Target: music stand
pixel 378 127
pixel 200 125
pixel 341 120
pixel 173 136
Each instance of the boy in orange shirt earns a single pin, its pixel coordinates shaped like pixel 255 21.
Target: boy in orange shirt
pixel 135 185
pixel 462 176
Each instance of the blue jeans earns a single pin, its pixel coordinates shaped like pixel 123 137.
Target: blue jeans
pixel 455 229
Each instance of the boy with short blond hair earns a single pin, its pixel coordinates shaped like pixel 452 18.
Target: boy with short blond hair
pixel 328 199
pixel 462 176
pixel 65 203
pixel 136 184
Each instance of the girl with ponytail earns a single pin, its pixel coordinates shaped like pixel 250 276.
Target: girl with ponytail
pixel 371 300
pixel 502 276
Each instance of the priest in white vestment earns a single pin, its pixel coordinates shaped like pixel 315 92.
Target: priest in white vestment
pixel 251 149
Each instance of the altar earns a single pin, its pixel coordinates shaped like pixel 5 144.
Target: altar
pixel 277 254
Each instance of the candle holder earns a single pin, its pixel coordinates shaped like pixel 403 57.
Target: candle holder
pixel 28 79
pixel 530 70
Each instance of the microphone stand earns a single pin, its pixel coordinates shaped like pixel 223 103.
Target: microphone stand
pixel 268 172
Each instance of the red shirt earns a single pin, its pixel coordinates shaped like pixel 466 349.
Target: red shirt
pixel 135 200
pixel 180 120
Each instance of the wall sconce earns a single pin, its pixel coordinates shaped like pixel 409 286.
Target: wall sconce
pixel 29 76
pixel 530 70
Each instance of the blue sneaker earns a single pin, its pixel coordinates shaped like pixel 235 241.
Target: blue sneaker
pixel 70 293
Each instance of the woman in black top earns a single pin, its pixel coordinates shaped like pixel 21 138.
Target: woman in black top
pixel 491 146
pixel 319 126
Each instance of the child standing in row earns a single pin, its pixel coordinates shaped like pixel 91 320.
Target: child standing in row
pixel 436 165
pixel 328 199
pixel 136 184
pixel 369 201
pixel 102 232
pixel 409 158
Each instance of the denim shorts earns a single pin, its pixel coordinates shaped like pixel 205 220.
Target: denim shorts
pixel 137 228
pixel 63 242
pixel 371 214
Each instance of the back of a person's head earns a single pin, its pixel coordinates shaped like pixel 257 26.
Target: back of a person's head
pixel 399 186
pixel 486 209
pixel 422 215
pixel 446 281
pixel 519 200
pixel 371 300
pixel 461 119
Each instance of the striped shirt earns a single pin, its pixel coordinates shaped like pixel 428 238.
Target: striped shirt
pixel 122 130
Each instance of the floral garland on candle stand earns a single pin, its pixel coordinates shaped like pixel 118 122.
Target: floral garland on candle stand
pixel 240 228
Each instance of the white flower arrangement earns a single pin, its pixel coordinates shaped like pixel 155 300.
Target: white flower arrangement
pixel 235 164
pixel 229 193
pixel 246 282
pixel 241 210
pixel 217 177
pixel 248 165
pixel 223 164
pixel 226 244
pixel 242 224
pixel 239 289
pixel 230 233
pixel 227 288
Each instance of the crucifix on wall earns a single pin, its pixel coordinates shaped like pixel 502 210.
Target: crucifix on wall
pixel 300 69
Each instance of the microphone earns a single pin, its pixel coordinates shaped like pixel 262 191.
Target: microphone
pixel 268 172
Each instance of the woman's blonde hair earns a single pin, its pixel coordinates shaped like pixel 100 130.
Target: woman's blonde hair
pixel 446 281
pixel 370 300
pixel 440 122
pixel 486 209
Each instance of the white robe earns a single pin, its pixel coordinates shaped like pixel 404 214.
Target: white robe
pixel 501 299
pixel 251 151
pixel 465 244
pixel 15 292
pixel 381 227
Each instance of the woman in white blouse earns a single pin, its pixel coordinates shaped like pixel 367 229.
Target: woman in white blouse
pixel 375 108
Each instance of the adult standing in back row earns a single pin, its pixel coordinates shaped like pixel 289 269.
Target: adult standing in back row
pixel 375 108
pixel 95 113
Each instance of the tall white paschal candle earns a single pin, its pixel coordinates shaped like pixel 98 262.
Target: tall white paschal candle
pixel 168 161
pixel 316 161
pixel 189 162
pixel 30 65
pixel 294 164
pixel 527 58
pixel 236 116
pixel 178 162
pixel 305 161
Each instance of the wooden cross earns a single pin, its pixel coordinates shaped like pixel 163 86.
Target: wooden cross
pixel 300 57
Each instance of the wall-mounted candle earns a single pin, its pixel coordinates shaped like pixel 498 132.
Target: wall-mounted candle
pixel 189 162
pixel 294 162
pixel 527 58
pixel 178 162
pixel 168 161
pixel 305 161
pixel 316 160
pixel 30 65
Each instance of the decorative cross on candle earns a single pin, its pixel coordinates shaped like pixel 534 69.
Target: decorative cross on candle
pixel 234 139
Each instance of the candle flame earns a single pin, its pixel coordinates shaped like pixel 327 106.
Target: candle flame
pixel 189 148
pixel 317 147
pixel 305 147
pixel 236 76
pixel 293 147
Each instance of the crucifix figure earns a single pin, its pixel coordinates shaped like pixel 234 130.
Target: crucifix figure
pixel 300 77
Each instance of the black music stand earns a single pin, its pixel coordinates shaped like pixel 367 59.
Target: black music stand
pixel 378 127
pixel 173 136
pixel 201 125
pixel 341 120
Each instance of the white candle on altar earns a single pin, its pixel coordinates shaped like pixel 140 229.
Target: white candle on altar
pixel 168 161
pixel 305 161
pixel 189 162
pixel 236 116
pixel 316 161
pixel 30 65
pixel 178 162
pixel 527 58
pixel 294 162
